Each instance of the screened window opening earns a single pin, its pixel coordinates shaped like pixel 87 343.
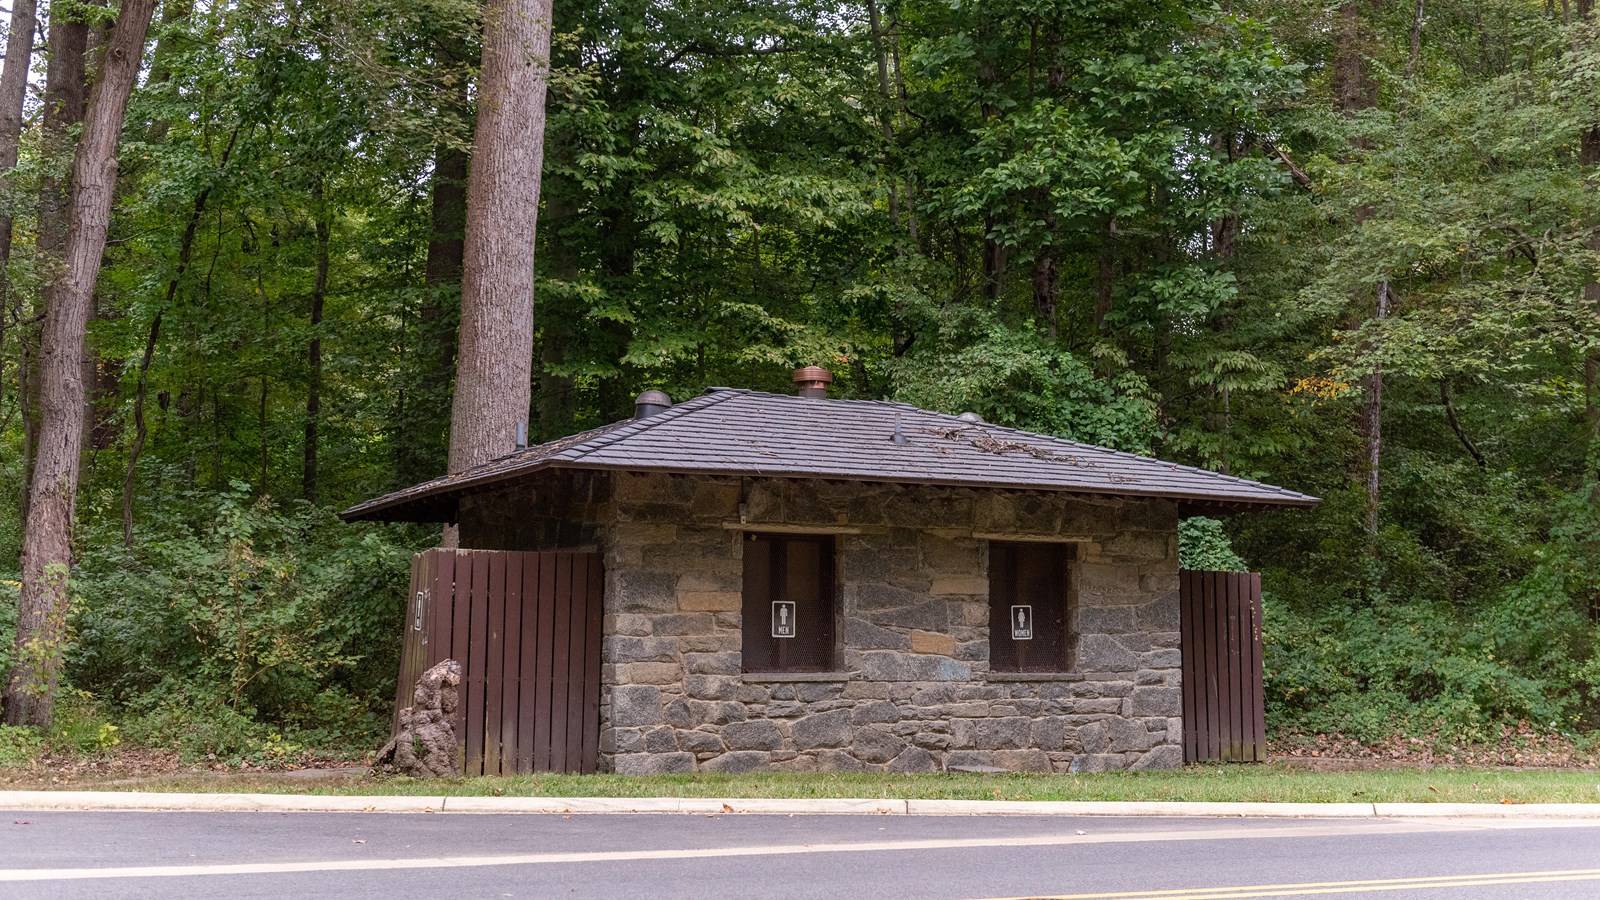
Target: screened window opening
pixel 1029 608
pixel 788 607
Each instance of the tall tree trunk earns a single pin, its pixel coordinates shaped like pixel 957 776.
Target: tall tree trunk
pixel 47 537
pixel 495 357
pixel 64 96
pixel 1589 162
pixel 13 93
pixel 1372 423
pixel 1105 279
pixel 319 294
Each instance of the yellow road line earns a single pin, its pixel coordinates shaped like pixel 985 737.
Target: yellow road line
pixel 1332 887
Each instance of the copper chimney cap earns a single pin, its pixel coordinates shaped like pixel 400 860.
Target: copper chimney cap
pixel 813 382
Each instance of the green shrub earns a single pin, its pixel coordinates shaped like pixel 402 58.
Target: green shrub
pixel 247 619
pixel 18 746
pixel 1203 546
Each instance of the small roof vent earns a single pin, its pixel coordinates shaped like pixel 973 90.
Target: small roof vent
pixel 813 382
pixel 971 417
pixel 651 403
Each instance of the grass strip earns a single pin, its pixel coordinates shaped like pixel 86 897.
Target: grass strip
pixel 1269 783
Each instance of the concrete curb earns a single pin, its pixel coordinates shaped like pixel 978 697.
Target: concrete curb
pixel 111 801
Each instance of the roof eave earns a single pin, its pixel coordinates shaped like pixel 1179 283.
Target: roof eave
pixel 441 504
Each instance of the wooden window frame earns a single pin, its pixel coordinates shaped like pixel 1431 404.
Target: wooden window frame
pixel 1058 654
pixel 755 612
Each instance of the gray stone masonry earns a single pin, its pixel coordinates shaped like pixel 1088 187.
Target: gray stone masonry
pixel 913 691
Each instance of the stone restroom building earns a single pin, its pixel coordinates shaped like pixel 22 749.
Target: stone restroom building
pixel 799 583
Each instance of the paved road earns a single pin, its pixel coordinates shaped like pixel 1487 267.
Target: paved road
pixel 170 855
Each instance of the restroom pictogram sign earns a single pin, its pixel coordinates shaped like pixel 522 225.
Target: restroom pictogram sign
pixel 1022 623
pixel 783 618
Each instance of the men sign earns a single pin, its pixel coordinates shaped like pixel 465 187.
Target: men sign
pixel 783 618
pixel 1022 623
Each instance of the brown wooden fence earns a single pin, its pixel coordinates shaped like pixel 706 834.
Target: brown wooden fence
pixel 526 629
pixel 1223 713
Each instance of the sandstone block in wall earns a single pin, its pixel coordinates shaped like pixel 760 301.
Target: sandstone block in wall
pixel 1160 615
pixel 701 578
pixel 1166 756
pixel 827 729
pixel 725 663
pixel 1095 737
pixel 1009 733
pixel 756 734
pixel 633 705
pixel 697 741
pixel 1101 762
pixel 955 560
pixel 1053 733
pixel 876 744
pixel 838 761
pixel 618 649
pixel 1128 735
pixel 1022 760
pixel 649 673
pixel 652 763
pixel 709 601
pixel 1161 659
pixel 1103 653
pixel 862 635
pixel 697 623
pixel 628 624
pixel 1096 578
pixel 885 665
pixel 636 591
pixel 1157 701
pixel 724 687
pixel 933 642
pixel 704 712
pixel 874 711
pixel 662 739
pixel 957 758
pixel 1136 545
pixel 737 761
pixel 1104 620
pixel 912 760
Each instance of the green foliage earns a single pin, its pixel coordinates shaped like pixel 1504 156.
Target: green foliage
pixel 1204 547
pixel 19 746
pixel 255 617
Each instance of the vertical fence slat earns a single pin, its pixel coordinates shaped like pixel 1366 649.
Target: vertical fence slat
pixel 527 673
pixel 577 663
pixel 1186 651
pixel 442 632
pixel 477 653
pixel 546 659
pixel 511 668
pixel 494 663
pixel 1258 704
pixel 559 659
pixel 591 677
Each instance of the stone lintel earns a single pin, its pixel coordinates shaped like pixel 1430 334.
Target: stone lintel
pixel 779 677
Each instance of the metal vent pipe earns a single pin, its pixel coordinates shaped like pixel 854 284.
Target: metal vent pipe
pixel 813 382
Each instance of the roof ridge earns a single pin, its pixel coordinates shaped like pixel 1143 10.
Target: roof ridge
pixel 577 452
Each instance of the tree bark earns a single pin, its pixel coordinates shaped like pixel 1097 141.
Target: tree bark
pixel 494 360
pixel 47 537
pixel 13 93
pixel 1372 422
pixel 62 109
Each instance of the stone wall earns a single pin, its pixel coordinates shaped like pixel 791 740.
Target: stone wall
pixel 913 691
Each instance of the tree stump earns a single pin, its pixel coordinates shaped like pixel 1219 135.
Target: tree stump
pixel 425 744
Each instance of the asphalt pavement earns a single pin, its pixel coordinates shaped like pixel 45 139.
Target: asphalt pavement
pixel 61 854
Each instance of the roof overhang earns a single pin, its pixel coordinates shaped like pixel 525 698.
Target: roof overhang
pixel 438 501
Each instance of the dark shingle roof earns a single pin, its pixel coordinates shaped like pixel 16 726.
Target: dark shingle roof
pixel 729 431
